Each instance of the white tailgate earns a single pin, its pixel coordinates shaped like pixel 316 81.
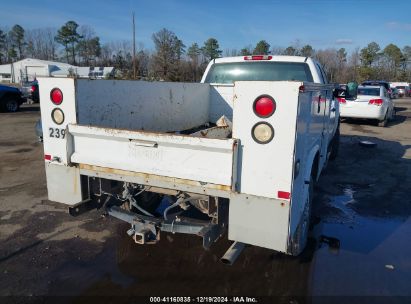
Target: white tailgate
pixel 193 158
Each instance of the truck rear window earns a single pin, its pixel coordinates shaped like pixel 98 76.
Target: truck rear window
pixel 259 71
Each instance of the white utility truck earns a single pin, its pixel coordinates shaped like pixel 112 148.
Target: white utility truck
pixel 239 151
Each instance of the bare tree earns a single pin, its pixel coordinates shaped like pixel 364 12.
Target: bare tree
pixel 329 60
pixel 247 50
pixel 168 53
pixel 353 64
pixel 88 46
pixel 277 50
pixel 231 52
pixel 41 43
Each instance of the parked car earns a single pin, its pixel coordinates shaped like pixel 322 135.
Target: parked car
pixel 10 98
pixel 394 93
pixel 372 102
pixel 403 91
pixel 378 83
pixel 31 91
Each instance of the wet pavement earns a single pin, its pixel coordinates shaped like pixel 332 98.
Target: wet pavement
pixel 359 249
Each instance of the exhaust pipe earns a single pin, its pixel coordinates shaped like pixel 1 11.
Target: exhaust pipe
pixel 233 253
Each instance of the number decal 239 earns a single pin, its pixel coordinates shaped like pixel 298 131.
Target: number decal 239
pixel 57 133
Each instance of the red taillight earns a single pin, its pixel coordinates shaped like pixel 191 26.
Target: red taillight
pixel 284 194
pixel 376 102
pixel 264 106
pixel 56 96
pixel 47 157
pixel 341 100
pixel 33 88
pixel 258 57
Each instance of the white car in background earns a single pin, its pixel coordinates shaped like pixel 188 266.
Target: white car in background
pixel 372 102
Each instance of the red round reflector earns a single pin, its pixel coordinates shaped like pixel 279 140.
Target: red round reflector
pixel 264 106
pixel 56 96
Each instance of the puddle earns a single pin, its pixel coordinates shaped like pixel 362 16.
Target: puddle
pixel 366 245
pixel 178 265
pixel 338 208
pixel 358 267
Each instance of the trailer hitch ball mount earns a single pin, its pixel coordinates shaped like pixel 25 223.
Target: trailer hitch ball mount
pixel 143 236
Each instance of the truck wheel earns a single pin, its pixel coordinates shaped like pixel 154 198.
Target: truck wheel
pixel 301 234
pixel 383 123
pixel 334 145
pixel 11 105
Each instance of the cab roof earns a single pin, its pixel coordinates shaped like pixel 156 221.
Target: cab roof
pixel 274 58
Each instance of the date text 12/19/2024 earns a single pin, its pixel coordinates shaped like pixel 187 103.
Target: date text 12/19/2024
pixel 203 300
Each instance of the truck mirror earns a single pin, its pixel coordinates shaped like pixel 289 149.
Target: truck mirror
pixel 339 93
pixel 352 88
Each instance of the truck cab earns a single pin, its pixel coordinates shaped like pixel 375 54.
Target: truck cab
pixel 222 73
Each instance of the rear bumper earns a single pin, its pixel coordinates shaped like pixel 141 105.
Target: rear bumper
pixel 253 220
pixel 363 111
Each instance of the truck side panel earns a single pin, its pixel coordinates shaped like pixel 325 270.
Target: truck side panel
pixel 265 169
pixel 307 146
pixel 312 137
pixel 257 215
pixel 53 137
pixel 63 182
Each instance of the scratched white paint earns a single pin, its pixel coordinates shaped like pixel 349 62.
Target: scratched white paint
pixel 141 105
pixel 266 168
pixel 56 146
pixel 199 159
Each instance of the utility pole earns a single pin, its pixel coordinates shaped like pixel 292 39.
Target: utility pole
pixel 134 48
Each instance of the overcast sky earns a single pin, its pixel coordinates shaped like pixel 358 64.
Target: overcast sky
pixel 235 24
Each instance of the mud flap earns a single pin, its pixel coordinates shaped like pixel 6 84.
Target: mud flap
pixel 259 221
pixel 63 184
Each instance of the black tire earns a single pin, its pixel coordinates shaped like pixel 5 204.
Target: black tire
pixel 335 145
pixel 11 105
pixel 301 234
pixel 393 114
pixel 383 123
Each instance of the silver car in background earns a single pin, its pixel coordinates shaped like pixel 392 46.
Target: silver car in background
pixel 403 91
pixel 372 102
pixel 394 93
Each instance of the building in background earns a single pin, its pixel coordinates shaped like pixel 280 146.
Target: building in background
pixel 29 69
